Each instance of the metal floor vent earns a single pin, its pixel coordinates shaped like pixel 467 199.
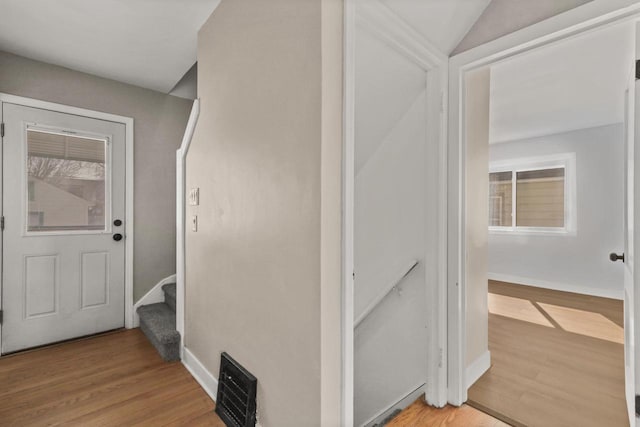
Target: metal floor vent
pixel 236 399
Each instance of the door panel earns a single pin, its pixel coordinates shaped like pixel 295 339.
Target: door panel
pixel 63 182
pixel 95 279
pixel 41 285
pixel 632 196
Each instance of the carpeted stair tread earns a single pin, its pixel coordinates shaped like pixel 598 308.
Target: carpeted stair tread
pixel 169 289
pixel 158 322
pixel 170 295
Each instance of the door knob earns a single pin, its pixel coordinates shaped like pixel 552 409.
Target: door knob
pixel 615 257
pixel 117 237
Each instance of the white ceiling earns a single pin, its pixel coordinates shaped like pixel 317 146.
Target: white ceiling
pixel 148 43
pixel 576 84
pixel 443 22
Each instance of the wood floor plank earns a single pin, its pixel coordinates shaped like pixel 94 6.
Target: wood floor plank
pixel 557 358
pixel 113 379
pixel 419 414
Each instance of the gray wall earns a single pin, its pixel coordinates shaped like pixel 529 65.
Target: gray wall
pixel 159 125
pixel 502 17
pixel 579 261
pixel 269 195
pixel 187 87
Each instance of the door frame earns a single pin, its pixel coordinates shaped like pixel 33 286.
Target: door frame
pixel 404 39
pixel 590 17
pixel 128 220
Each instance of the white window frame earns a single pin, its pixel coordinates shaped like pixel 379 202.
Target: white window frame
pixel 108 214
pixel 567 161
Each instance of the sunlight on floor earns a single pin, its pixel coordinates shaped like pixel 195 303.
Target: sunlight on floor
pixel 517 308
pixel 572 320
pixel 585 323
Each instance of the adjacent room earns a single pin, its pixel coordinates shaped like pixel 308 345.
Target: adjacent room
pixel 289 213
pixel 556 212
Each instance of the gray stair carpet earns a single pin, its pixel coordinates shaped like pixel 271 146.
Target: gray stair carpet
pixel 158 322
pixel 170 295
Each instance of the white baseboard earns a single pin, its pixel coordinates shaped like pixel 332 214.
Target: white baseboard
pixel 477 368
pixel 585 290
pixel 154 295
pixel 401 404
pixel 206 380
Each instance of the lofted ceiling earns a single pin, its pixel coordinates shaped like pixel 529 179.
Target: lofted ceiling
pixel 147 43
pixel 443 22
pixel 576 84
pixel 386 90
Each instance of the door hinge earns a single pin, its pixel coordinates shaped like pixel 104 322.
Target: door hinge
pixel 638 70
pixel 1 130
pixel 1 317
pixel 2 223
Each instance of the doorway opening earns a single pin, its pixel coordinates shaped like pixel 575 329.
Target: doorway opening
pixel 546 176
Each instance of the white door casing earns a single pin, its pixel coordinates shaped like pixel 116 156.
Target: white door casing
pixel 61 281
pixel 589 17
pixel 424 194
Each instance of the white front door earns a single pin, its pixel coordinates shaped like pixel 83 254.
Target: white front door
pixel 63 249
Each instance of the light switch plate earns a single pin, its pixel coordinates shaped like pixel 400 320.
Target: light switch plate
pixel 194 196
pixel 194 223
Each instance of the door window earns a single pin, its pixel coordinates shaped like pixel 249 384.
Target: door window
pixel 66 182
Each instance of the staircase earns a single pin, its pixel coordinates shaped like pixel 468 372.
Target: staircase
pixel 158 322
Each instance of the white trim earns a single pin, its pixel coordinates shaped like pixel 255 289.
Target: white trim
pixel 589 17
pixel 129 181
pixel 379 20
pixel 402 403
pixel 154 295
pixel 478 367
pixel 108 156
pixel 348 192
pixel 376 18
pixel 207 381
pixel 557 286
pixel 181 179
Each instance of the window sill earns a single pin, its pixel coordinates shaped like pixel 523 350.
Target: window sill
pixel 531 231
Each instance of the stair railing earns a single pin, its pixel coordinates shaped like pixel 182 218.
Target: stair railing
pixel 393 285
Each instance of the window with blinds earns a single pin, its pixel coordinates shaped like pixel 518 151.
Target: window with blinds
pixel 67 176
pixel 532 195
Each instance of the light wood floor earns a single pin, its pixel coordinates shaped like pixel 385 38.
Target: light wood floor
pixel 419 414
pixel 116 379
pixel 557 359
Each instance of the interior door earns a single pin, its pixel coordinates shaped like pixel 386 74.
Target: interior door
pixel 632 194
pixel 63 207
